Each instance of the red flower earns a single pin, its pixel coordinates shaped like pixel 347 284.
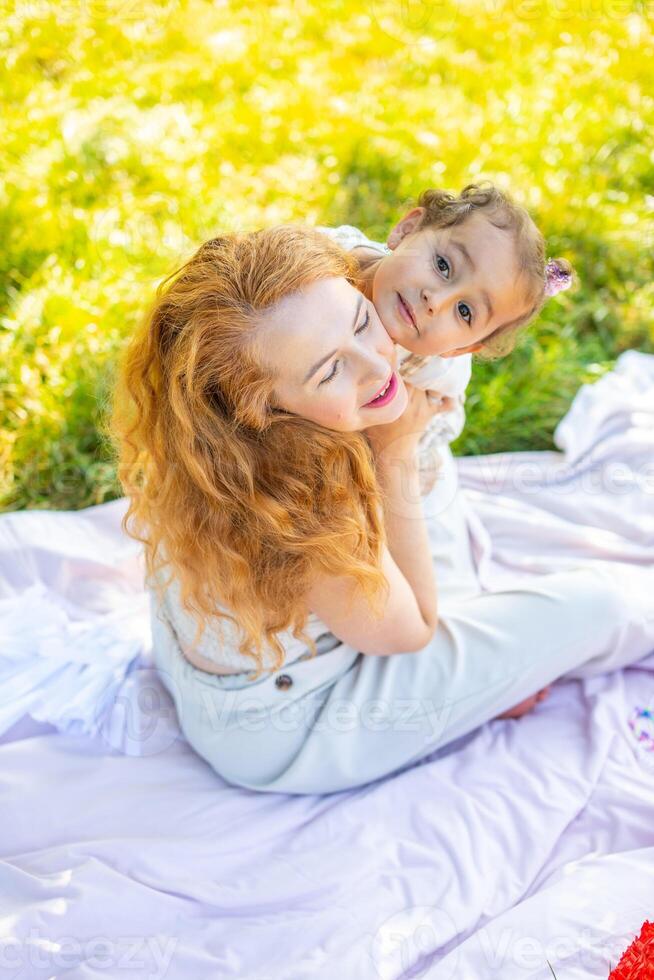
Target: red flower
pixel 637 962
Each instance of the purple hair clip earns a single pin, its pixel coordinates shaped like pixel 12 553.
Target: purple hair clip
pixel 557 278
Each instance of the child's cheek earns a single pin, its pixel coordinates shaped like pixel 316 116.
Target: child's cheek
pixel 390 330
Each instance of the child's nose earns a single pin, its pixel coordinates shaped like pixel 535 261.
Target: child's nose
pixel 434 299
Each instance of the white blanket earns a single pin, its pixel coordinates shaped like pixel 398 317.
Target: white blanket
pixel 125 855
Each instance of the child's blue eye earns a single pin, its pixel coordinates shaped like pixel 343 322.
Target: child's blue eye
pixel 443 266
pixel 464 312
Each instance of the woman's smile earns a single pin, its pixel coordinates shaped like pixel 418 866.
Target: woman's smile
pixel 385 394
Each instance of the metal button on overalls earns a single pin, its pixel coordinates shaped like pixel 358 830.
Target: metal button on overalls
pixel 283 682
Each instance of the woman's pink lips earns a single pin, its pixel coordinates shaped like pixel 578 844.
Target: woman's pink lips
pixel 390 394
pixel 406 311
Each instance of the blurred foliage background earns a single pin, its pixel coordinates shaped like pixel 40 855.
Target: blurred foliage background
pixel 132 131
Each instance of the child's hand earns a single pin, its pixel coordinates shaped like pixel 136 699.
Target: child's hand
pixel 404 434
pixel 446 402
pixel 431 464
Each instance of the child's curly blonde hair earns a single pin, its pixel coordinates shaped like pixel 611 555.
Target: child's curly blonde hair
pixel 444 210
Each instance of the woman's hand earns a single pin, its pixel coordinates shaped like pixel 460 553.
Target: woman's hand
pixel 403 435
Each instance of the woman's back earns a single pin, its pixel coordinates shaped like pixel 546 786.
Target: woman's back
pixel 217 650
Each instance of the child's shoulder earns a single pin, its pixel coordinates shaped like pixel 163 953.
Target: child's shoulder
pixel 349 237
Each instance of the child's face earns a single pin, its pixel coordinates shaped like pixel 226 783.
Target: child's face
pixel 444 290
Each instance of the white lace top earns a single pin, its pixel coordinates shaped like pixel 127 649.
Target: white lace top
pixel 172 624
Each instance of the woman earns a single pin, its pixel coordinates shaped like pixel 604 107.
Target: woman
pixel 269 502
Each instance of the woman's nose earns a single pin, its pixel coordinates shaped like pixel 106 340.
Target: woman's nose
pixel 376 365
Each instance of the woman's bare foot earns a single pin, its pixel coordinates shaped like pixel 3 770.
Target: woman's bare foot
pixel 525 706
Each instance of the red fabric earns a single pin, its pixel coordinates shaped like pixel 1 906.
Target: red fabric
pixel 637 962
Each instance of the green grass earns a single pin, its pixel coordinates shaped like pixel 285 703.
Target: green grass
pixel 131 132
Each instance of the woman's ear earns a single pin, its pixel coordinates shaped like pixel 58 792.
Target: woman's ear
pixel 409 223
pixel 470 349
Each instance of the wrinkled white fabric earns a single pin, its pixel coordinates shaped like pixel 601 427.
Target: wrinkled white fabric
pixel 531 842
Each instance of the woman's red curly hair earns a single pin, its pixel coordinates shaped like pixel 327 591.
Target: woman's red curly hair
pixel 242 501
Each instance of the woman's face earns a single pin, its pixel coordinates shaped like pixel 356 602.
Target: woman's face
pixel 332 356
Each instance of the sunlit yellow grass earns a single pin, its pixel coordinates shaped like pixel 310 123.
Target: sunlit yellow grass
pixel 133 131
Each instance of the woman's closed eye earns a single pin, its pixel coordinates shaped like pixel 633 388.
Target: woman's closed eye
pixel 364 325
pixel 331 376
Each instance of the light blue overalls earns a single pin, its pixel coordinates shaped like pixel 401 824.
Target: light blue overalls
pixel 342 718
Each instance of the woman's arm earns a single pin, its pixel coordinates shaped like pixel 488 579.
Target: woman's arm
pixel 410 614
pixel 406 530
pixel 401 629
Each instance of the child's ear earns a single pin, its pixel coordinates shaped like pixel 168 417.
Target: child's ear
pixel 470 349
pixel 409 223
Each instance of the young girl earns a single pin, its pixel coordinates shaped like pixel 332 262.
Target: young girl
pixel 460 274
pixel 277 535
